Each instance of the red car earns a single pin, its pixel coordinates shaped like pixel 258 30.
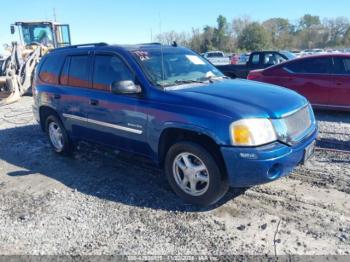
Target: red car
pixel 323 79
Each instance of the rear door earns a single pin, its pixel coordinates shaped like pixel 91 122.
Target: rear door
pixel 49 79
pixel 340 95
pixel 74 97
pixel 311 77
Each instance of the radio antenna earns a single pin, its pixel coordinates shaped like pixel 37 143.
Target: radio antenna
pixel 54 15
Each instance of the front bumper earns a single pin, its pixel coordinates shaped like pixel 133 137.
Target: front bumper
pixel 254 166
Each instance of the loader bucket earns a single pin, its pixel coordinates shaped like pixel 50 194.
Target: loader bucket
pixel 19 75
pixel 9 97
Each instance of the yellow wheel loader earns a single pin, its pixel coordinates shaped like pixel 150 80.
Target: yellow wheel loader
pixel 35 40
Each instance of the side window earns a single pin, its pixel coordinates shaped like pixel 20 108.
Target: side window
pixel 63 35
pixel 109 69
pixel 346 62
pixel 79 71
pixel 311 66
pixel 273 59
pixel 317 66
pixel 50 69
pixel 256 59
pixel 342 66
pixel 294 67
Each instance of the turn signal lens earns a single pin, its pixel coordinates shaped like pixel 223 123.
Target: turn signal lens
pixel 241 134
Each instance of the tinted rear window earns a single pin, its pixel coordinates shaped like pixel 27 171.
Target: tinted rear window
pixel 342 66
pixel 79 71
pixel 51 68
pixel 65 72
pixel 311 66
pixel 256 59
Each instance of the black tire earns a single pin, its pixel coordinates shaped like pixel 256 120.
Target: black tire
pixel 66 143
pixel 218 184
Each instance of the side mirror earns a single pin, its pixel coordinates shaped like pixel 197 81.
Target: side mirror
pixel 125 87
pixel 12 28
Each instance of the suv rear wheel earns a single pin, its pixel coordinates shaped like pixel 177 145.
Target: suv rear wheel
pixel 194 175
pixel 57 135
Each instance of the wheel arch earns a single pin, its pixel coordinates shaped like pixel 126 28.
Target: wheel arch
pixel 171 135
pixel 44 112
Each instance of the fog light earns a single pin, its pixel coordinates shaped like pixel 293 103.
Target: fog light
pixel 275 171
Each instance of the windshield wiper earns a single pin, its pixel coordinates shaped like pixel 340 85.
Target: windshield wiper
pixel 188 81
pixel 211 79
pixel 180 82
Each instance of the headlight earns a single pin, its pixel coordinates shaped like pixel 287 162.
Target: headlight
pixel 252 132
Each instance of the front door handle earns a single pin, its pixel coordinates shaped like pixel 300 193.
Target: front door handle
pixel 56 96
pixel 93 102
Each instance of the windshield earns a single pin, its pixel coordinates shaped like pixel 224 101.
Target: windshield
pixel 216 54
pixel 169 66
pixel 289 55
pixel 37 33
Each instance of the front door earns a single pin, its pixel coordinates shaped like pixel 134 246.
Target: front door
pixel 340 95
pixel 116 119
pixel 311 78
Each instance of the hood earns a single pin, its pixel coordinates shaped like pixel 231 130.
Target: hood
pixel 244 99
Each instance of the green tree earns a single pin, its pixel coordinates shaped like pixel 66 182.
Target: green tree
pixel 220 32
pixel 308 21
pixel 253 37
pixel 310 33
pixel 280 31
pixel 196 41
pixel 208 38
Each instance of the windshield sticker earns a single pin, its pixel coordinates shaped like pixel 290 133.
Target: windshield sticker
pixel 209 74
pixel 195 60
pixel 142 55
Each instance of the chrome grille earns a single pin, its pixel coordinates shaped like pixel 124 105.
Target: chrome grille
pixel 298 123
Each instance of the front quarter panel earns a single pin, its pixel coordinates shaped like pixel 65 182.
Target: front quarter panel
pixel 162 116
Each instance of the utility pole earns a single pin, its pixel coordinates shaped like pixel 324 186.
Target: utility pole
pixel 54 15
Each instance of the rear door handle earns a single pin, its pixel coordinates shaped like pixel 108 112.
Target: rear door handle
pixel 56 96
pixel 93 102
pixel 338 84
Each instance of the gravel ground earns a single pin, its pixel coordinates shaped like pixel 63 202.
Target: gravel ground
pixel 99 202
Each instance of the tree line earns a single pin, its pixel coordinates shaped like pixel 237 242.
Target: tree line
pixel 244 34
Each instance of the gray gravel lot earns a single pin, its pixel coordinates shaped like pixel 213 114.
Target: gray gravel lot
pixel 99 202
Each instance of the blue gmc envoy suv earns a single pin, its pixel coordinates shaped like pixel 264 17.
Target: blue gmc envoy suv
pixel 172 106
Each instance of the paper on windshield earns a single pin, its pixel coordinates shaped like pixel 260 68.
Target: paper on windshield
pixel 195 60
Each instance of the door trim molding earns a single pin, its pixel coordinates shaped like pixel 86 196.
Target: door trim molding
pixel 105 124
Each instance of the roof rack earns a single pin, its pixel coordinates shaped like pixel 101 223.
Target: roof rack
pixel 81 45
pixel 154 43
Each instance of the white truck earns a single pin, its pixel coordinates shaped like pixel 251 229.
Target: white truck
pixel 217 58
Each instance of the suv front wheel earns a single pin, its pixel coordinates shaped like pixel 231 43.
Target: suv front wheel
pixel 194 175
